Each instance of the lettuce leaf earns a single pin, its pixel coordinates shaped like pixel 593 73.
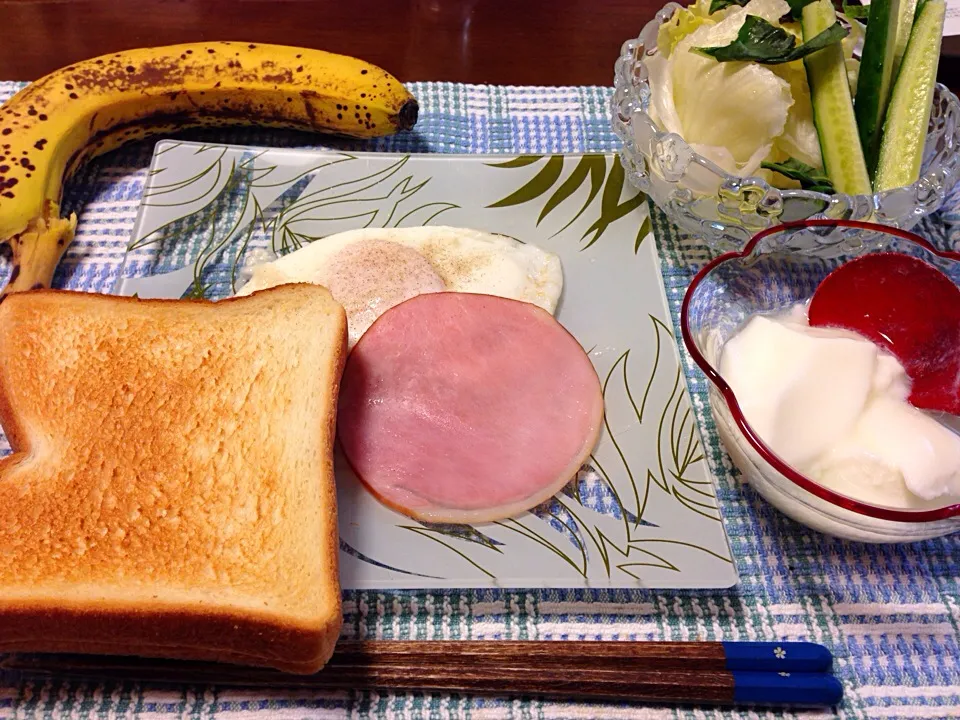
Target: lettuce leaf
pixel 799 138
pixel 852 43
pixel 722 158
pixel 684 21
pixel 739 106
pixel 735 114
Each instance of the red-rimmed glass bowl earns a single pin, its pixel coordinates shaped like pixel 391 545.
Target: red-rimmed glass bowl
pixel 778 268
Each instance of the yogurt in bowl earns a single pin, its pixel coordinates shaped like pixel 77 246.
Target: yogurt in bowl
pixel 834 406
pixel 818 419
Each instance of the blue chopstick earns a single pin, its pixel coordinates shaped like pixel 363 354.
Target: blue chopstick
pixel 786 689
pixel 777 657
pixel 785 674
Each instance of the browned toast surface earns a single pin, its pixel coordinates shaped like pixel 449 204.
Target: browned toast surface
pixel 171 488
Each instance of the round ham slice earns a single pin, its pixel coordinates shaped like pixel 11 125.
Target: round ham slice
pixel 466 408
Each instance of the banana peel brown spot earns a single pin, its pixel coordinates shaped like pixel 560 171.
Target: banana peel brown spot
pixel 159 71
pixel 284 76
pixel 307 95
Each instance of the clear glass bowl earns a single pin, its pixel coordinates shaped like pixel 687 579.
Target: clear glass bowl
pixel 778 268
pixel 664 166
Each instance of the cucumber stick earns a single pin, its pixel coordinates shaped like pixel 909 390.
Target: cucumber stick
pixel 905 127
pixel 907 10
pixel 832 105
pixel 875 79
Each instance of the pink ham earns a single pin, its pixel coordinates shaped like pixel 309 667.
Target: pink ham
pixel 467 408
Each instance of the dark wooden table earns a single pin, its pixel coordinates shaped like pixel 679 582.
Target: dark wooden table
pixel 518 42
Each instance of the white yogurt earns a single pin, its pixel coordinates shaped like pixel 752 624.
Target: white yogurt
pixel 833 405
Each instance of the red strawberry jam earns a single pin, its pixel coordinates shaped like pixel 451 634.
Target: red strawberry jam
pixel 906 306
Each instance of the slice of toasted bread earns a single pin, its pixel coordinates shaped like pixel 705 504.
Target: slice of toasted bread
pixel 171 490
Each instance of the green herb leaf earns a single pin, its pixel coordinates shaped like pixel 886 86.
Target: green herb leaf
pixel 797 6
pixel 764 43
pixel 810 178
pixel 855 12
pixel 717 5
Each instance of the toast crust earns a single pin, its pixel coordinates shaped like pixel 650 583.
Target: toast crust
pixel 171 491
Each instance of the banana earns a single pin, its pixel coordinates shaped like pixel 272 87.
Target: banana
pixel 52 126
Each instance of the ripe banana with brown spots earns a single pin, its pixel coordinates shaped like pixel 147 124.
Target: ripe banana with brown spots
pixel 52 126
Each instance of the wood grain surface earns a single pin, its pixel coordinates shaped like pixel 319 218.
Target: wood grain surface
pixel 566 42
pixel 509 42
pixel 618 671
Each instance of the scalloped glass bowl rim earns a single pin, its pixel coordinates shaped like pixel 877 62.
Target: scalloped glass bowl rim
pixel 797 478
pixel 875 199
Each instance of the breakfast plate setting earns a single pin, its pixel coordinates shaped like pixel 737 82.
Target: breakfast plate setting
pixel 480 401
pixel 643 512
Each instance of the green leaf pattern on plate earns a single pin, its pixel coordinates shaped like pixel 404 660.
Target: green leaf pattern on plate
pixel 642 510
pixel 593 167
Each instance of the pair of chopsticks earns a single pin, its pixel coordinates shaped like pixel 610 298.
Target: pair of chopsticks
pixel 727 673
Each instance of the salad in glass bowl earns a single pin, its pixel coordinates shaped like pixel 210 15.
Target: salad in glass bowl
pixel 736 117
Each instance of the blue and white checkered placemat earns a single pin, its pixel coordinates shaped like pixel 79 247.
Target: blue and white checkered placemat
pixel 890 614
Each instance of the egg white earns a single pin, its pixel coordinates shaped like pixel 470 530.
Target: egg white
pixel 466 260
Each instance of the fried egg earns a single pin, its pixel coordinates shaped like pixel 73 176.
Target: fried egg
pixel 370 270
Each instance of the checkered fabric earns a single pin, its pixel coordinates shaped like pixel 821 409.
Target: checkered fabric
pixel 890 614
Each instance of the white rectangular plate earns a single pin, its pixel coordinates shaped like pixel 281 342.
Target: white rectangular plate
pixel 643 511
